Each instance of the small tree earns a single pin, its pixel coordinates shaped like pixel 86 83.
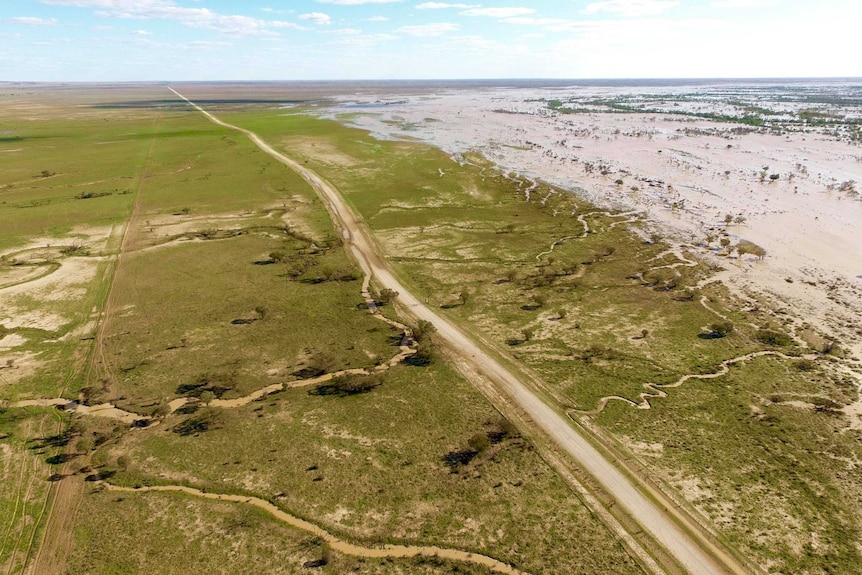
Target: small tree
pixel 561 313
pixel 85 444
pixel 644 333
pixel 319 363
pixel 772 337
pixel 720 329
pixel 528 333
pixel 207 397
pixel 261 311
pixel 423 330
pixel 386 295
pixel 747 247
pixel 479 442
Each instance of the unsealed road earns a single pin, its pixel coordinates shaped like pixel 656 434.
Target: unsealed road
pixel 687 549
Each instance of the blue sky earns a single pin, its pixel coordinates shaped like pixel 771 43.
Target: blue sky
pixel 124 40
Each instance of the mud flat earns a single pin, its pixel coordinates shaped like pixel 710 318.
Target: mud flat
pixel 694 156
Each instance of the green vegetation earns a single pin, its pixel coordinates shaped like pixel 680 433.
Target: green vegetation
pixel 184 533
pixel 443 233
pixel 230 279
pixel 32 443
pixel 214 273
pixel 774 475
pixel 340 461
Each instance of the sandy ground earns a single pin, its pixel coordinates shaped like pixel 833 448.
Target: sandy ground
pixel 683 179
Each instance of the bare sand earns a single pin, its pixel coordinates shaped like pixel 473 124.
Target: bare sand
pixel 685 174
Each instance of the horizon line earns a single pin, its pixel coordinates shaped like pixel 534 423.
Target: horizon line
pixel 456 80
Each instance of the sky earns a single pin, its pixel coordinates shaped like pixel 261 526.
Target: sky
pixel 196 40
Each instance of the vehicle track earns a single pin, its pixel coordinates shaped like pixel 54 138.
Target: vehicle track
pixel 65 496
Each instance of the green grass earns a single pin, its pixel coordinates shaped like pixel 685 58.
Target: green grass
pixel 465 231
pixel 211 208
pixel 28 441
pixel 469 230
pixel 163 335
pixel 778 480
pixel 371 468
pixel 75 152
pixel 173 533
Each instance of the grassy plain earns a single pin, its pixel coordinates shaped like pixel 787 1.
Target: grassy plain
pixel 211 537
pixel 381 467
pixel 27 447
pixel 207 266
pixel 594 322
pixel 176 258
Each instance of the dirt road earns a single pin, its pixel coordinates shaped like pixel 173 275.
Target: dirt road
pixel 694 552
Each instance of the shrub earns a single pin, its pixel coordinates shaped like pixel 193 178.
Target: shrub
pixel 423 330
pixel 746 247
pixel 772 337
pixel 720 329
pixel 804 365
pixel 350 384
pixel 479 442
pixel 598 350
pixel 386 295
pixel 278 256
pixel 203 420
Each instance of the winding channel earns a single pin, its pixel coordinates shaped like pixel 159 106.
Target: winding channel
pixel 656 390
pixel 339 545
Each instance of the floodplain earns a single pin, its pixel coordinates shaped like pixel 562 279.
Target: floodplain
pixel 193 298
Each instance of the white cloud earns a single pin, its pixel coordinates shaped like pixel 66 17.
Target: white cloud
pixel 742 3
pixel 363 40
pixel 109 4
pixel 429 30
pixel 440 5
pixel 205 44
pixel 317 17
pixel 346 32
pixel 377 19
pixel 282 24
pixel 631 8
pixel 539 22
pixel 357 2
pixel 30 21
pixel 233 25
pixel 509 12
